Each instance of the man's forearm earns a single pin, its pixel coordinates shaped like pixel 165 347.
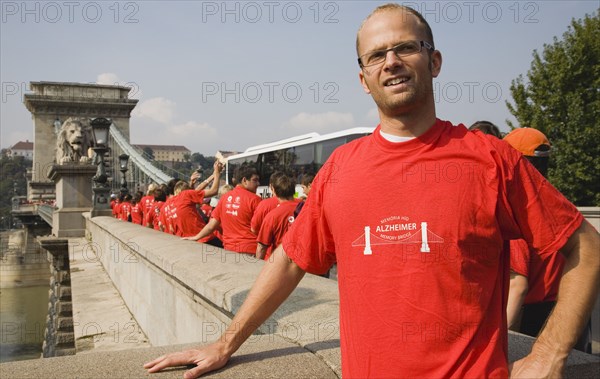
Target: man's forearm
pixel 576 296
pixel 516 296
pixel 277 280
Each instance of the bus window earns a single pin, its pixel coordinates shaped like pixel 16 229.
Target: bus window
pixel 301 159
pixel 234 165
pixel 325 148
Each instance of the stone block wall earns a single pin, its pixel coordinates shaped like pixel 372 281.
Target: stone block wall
pixel 59 336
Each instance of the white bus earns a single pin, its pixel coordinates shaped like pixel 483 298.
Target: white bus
pixel 294 156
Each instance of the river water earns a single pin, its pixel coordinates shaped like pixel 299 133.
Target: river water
pixel 22 322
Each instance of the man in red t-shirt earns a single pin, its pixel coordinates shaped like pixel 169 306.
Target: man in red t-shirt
pixel 148 199
pixel 151 219
pixel 186 217
pixel 137 216
pixel 265 206
pixel 234 213
pixel 422 269
pixel 277 222
pixel 125 208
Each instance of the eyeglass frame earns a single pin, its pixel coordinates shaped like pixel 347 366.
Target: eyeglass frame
pixel 422 44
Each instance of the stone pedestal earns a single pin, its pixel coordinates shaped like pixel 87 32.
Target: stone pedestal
pixel 59 336
pixel 73 197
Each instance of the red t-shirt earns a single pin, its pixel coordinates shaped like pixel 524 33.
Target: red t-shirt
pixel 264 207
pixel 146 204
pixel 116 208
pixel 422 268
pixel 234 212
pixel 154 215
pixel 166 216
pixel 543 272
pixel 136 213
pixel 125 211
pixel 186 219
pixel 275 225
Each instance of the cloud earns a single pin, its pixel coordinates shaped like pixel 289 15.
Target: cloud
pixel 158 109
pixel 193 129
pixel 321 122
pixel 108 78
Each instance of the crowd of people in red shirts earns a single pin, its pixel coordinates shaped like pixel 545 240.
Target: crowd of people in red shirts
pixel 232 217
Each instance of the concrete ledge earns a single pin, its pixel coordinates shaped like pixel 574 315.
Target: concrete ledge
pixel 263 357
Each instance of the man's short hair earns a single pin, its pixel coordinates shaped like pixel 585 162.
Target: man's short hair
pixel 307 179
pixel 487 128
pixel 283 185
pixel 246 172
pixel 181 185
pixel 407 11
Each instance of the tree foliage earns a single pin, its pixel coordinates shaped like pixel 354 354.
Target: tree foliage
pixel 12 178
pixel 561 98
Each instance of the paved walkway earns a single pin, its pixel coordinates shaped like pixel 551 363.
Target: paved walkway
pixel 101 320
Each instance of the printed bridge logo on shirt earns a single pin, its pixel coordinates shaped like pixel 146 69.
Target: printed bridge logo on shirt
pixel 396 230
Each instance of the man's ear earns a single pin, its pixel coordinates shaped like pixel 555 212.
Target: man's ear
pixel 363 82
pixel 436 63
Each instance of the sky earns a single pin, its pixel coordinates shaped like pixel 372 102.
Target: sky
pixel 227 75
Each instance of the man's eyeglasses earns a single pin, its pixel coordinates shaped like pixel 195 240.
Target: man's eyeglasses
pixel 402 49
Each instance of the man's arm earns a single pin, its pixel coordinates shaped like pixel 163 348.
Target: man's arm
pixel 215 178
pixel 275 283
pixel 261 250
pixel 212 225
pixel 516 296
pixel 576 295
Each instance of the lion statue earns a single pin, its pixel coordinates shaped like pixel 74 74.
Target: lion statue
pixel 73 142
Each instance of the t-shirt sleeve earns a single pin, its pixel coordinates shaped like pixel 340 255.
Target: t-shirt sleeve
pixel 265 234
pixel 216 213
pixel 258 217
pixel 540 214
pixel 197 196
pixel 309 242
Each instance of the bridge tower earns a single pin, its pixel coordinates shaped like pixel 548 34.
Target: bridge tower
pixel 52 101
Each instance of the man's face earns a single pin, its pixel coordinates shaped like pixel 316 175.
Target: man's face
pixel 398 85
pixel 252 184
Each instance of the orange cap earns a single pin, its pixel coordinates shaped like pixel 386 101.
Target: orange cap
pixel 527 141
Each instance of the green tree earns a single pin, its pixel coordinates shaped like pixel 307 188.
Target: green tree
pixel 561 98
pixel 12 178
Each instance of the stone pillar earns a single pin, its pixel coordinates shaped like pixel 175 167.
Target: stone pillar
pixel 51 101
pixel 59 337
pixel 73 197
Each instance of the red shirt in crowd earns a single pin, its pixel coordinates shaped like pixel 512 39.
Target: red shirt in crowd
pixel 186 219
pixel 264 207
pixel 234 212
pixel 125 211
pixel 275 225
pixel 137 216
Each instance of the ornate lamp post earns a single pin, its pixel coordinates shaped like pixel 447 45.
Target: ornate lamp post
pixel 100 187
pixel 123 160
